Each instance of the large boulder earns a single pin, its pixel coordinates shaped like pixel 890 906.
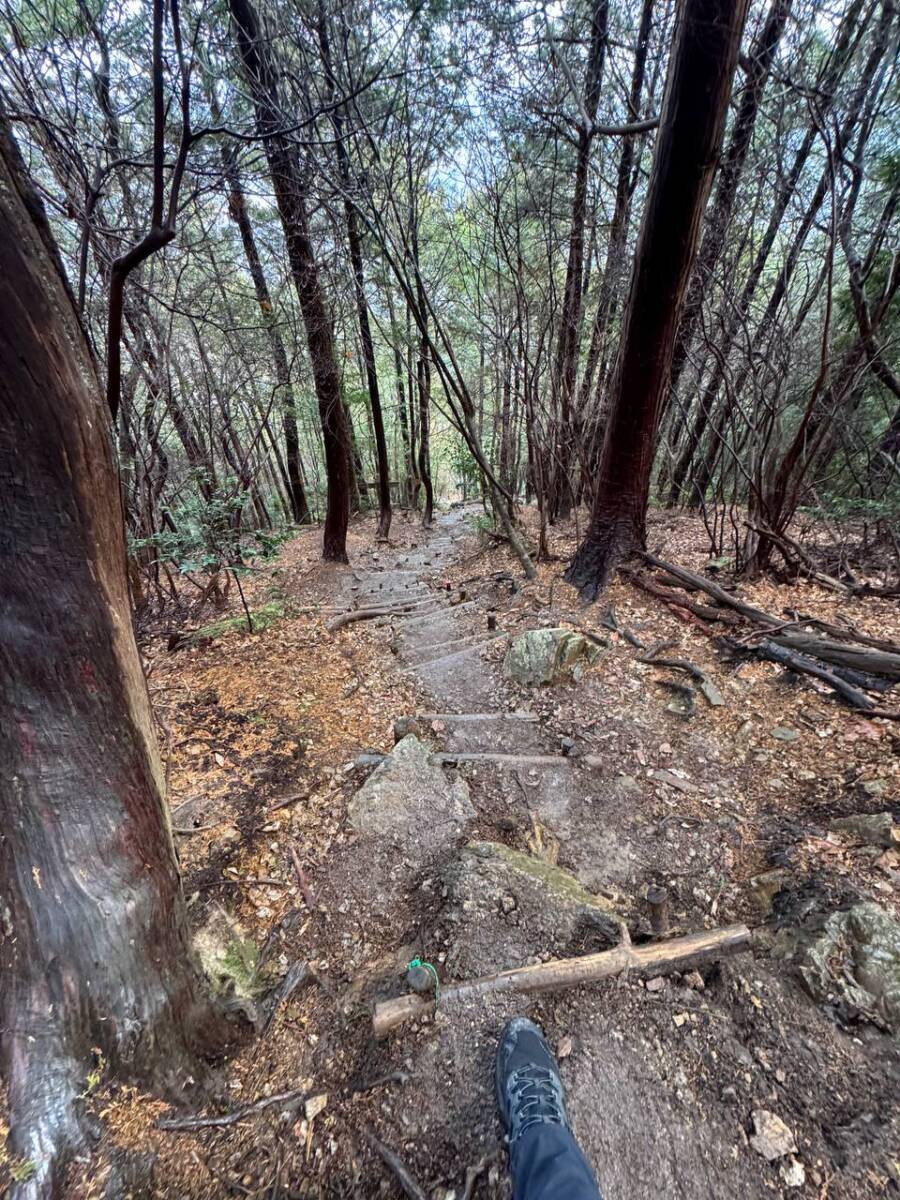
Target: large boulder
pixel 854 961
pixel 548 655
pixel 410 803
pixel 505 907
pixel 873 829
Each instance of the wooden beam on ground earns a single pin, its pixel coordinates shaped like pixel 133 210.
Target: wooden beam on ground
pixel 656 958
pixel 450 759
pixel 443 609
pixel 488 716
pixel 367 614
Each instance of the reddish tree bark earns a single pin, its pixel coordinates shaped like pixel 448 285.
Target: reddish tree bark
pixel 290 196
pixel 94 946
pixel 701 69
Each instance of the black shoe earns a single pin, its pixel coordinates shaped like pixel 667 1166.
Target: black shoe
pixel 529 1089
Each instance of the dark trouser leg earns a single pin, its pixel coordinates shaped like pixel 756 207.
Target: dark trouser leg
pixel 547 1164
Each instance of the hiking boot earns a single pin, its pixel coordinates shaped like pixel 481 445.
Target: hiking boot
pixel 529 1089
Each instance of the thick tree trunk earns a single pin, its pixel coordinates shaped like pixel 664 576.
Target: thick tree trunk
pixel 94 945
pixel 423 369
pixel 696 100
pixel 290 196
pixel 759 65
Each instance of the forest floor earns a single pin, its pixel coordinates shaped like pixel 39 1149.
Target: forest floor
pixel 260 733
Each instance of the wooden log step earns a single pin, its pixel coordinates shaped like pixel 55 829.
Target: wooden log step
pixel 491 716
pixel 657 958
pixel 444 608
pixel 450 759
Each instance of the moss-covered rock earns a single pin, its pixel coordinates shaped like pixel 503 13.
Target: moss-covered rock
pixel 549 655
pixel 853 961
pixel 507 907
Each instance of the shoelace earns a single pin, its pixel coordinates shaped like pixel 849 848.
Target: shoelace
pixel 535 1098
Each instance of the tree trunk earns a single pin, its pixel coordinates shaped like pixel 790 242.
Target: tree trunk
pixel 237 207
pixel 760 58
pixel 354 243
pixel 693 116
pixel 408 464
pixel 94 944
pixel 611 279
pixel 563 378
pixel 827 87
pixel 290 196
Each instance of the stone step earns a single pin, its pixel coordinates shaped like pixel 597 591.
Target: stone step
pixel 443 658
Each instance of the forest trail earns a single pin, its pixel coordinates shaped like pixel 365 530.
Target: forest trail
pixel 480 864
pixel 662 1079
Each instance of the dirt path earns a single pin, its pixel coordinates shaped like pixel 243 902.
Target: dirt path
pixel 662 1080
pixel 478 864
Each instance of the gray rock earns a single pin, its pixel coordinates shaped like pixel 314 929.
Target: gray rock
pixel 507 906
pixel 783 734
pixel 771 1137
pixel 856 959
pixel 411 803
pixel 548 655
pixel 874 829
pixel 874 787
pixel 793 1173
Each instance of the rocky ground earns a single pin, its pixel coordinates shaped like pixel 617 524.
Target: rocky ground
pixel 773 1072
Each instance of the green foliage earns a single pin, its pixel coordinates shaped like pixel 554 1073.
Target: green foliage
pixel 866 508
pixel 483 525
pixel 95 1075
pixel 23 1169
pixel 463 466
pixel 206 535
pixel 261 618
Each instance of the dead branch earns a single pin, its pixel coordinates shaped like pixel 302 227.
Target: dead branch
pixel 308 896
pixel 391 1077
pixel 703 611
pixel 658 958
pixel 396 1164
pixel 241 1113
pixel 295 976
pixel 367 614
pixel 861 658
pixel 806 666
pixel 707 687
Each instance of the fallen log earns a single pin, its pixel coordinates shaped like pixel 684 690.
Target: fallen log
pixel 704 611
pixel 367 614
pixel 655 958
pixel 795 661
pixel 842 654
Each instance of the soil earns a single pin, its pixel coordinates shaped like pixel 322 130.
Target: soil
pixel 662 1076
